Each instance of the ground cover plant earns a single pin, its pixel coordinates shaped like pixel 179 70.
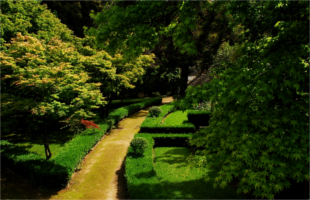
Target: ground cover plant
pixel 56 172
pixel 177 123
pixel 164 173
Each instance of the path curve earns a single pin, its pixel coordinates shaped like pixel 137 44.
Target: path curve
pixel 102 172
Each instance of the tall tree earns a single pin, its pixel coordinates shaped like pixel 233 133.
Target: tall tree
pixel 44 76
pixel 259 130
pixel 189 28
pixel 115 74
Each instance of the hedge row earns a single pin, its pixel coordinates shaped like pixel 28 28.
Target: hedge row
pixel 125 102
pixel 139 170
pixel 153 121
pixel 56 172
pixel 183 128
pixel 199 118
pixel 154 124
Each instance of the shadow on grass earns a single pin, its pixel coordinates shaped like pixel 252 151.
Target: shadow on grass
pixel 192 189
pixel 42 174
pixel 175 156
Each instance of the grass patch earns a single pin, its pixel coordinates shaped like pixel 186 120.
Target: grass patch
pixel 163 173
pixel 175 123
pixel 176 118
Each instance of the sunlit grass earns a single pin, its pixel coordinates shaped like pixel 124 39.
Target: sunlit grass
pixel 175 118
pixel 178 180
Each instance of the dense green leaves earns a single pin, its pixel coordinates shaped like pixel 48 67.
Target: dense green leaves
pixel 258 132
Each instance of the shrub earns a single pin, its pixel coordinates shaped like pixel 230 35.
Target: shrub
pixel 155 111
pixel 139 145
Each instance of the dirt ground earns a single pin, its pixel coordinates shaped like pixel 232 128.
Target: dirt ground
pixel 102 172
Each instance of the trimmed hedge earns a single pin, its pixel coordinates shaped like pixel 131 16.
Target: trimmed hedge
pixel 56 172
pixel 153 124
pixel 125 102
pixel 139 170
pixel 199 118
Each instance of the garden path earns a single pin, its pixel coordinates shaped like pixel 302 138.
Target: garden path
pixel 102 172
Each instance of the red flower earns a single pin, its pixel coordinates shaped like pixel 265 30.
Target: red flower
pixel 89 124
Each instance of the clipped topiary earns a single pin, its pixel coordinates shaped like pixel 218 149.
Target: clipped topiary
pixel 155 111
pixel 139 145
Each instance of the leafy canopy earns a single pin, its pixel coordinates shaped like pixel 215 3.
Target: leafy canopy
pixel 259 129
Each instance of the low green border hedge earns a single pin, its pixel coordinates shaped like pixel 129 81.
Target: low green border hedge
pixel 153 124
pixel 199 118
pixel 137 168
pixel 56 172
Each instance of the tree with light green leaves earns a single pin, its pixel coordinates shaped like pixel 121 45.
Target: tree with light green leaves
pixel 259 129
pixel 43 77
pixel 115 74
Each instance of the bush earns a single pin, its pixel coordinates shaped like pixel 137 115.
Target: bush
pixel 139 145
pixel 155 111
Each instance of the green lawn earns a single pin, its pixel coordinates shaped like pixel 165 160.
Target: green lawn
pixel 177 180
pixel 176 118
pixel 31 142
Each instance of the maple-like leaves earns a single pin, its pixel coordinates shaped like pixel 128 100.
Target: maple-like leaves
pixel 259 120
pixel 90 124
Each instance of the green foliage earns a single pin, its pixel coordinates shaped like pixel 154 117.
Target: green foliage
pixel 179 33
pixel 31 18
pixel 258 129
pixel 45 76
pixel 155 111
pixel 160 79
pixel 139 145
pixel 56 172
pixel 203 106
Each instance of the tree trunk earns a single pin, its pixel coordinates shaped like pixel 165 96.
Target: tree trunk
pixel 48 153
pixel 107 108
pixel 184 77
pixel 101 111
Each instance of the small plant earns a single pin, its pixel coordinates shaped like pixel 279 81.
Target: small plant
pixel 202 106
pixel 77 125
pixel 89 124
pixel 139 145
pixel 155 111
